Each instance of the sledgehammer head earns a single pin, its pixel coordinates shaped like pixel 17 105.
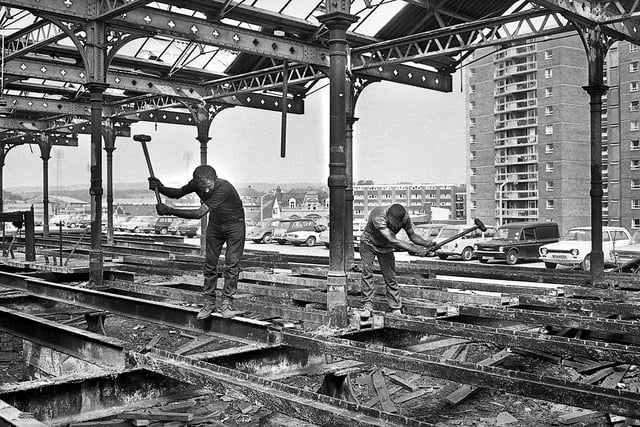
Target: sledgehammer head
pixel 141 138
pixel 479 224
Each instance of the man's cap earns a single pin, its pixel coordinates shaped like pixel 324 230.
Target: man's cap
pixel 396 213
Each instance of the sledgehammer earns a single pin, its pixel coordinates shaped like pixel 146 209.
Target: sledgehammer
pixel 143 139
pixel 477 225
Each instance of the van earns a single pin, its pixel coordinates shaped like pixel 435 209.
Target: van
pixel 517 241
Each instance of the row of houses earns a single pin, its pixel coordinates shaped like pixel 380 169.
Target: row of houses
pixel 427 202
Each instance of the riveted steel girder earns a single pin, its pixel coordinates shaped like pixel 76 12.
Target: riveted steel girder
pixel 50 70
pixel 47 106
pixel 619 19
pixel 221 35
pixel 100 350
pixel 110 8
pixel 126 81
pixel 17 138
pixel 140 308
pixel 271 78
pixel 451 41
pixel 32 38
pixel 64 125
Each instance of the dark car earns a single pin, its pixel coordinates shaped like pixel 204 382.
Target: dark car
pixel 517 241
pixel 162 224
pixel 189 228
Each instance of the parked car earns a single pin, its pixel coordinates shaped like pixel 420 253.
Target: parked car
pixel 517 241
pixel 429 232
pixel 78 220
pixel 575 247
pixel 298 231
pixel 56 220
pixel 627 256
pixel 189 228
pixel 162 224
pixel 323 238
pixel 138 224
pixel 304 231
pixel 263 231
pixel 462 246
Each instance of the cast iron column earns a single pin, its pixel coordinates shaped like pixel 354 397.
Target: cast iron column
pixel 109 135
pixel 204 139
pixel 596 50
pixel 349 255
pixel 337 21
pixel 95 253
pixel 45 155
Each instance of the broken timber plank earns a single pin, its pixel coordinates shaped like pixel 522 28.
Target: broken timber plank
pixel 380 387
pixel 616 377
pixel 466 390
pixel 157 415
pixel 436 344
pixel 452 352
pixel 410 396
pixel 195 344
pixel 402 383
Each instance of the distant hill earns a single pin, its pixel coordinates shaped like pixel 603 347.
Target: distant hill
pixel 134 189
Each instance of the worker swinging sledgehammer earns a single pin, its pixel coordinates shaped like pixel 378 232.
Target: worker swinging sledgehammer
pixel 225 225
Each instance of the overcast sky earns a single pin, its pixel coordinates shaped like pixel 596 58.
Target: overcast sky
pixel 403 134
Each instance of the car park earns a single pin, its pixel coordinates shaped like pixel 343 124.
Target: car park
pixel 262 232
pixel 575 247
pixel 463 246
pixel 517 241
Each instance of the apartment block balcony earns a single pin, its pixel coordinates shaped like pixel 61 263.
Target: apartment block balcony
pixel 516 159
pixel 517 195
pixel 524 104
pixel 512 70
pixel 516 123
pixel 517 176
pixel 515 87
pixel 515 141
pixel 524 214
pixel 515 51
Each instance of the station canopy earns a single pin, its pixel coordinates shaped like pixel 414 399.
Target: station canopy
pixel 166 56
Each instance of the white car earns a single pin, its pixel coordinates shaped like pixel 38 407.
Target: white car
pixel 627 254
pixel 462 246
pixel 575 247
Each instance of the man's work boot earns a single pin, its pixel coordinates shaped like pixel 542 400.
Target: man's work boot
pixel 227 310
pixel 207 310
pixel 366 311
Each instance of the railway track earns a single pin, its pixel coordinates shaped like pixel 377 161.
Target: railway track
pixel 553 316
